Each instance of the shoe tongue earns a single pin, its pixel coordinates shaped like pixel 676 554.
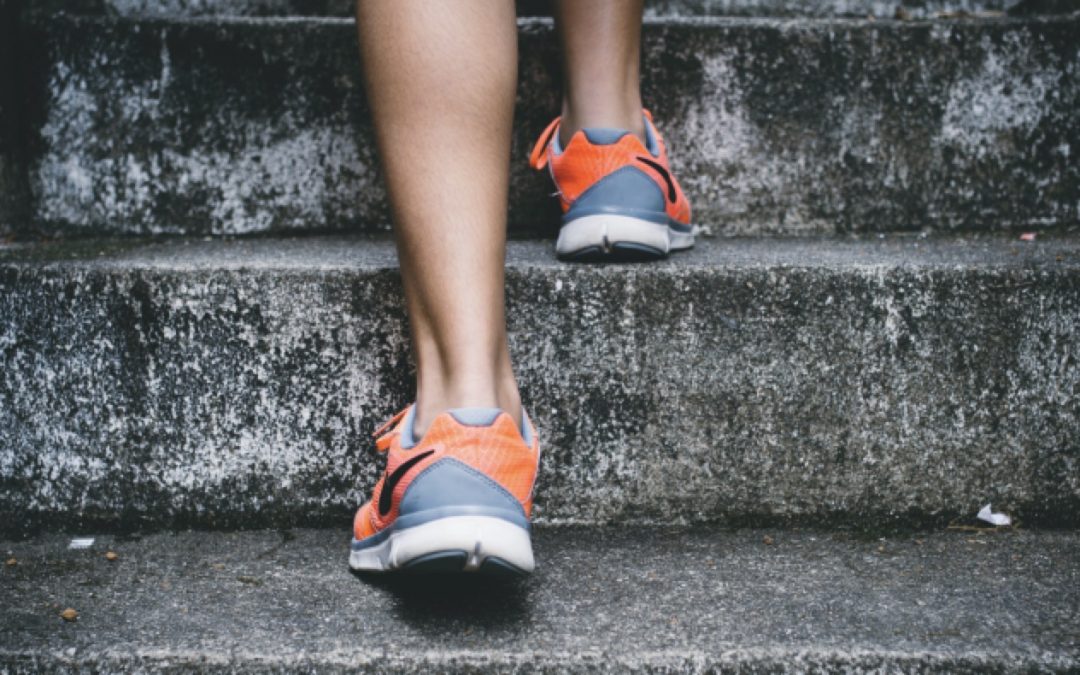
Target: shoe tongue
pixel 604 135
pixel 651 143
pixel 408 439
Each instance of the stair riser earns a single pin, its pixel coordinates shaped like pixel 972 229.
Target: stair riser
pixel 775 127
pixel 754 394
pixel 343 8
pixel 13 198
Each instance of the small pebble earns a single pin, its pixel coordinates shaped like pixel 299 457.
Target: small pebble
pixel 880 549
pixel 11 562
pixel 768 540
pixel 69 614
pixel 111 556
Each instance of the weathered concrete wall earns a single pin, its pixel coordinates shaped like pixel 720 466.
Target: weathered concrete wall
pixel 881 9
pixel 817 8
pixel 822 8
pixel 243 126
pixel 850 382
pixel 13 193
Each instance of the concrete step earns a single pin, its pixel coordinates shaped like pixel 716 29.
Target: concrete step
pixel 653 8
pixel 854 382
pixel 777 126
pixel 13 189
pixel 602 600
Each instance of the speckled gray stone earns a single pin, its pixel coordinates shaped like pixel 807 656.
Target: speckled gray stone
pixel 882 9
pixel 232 126
pixel 818 8
pixel 602 600
pixel 853 382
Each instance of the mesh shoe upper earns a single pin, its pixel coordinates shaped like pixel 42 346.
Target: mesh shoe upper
pixel 498 452
pixel 586 161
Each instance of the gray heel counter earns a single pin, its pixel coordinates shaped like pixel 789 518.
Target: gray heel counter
pixel 450 487
pixel 628 191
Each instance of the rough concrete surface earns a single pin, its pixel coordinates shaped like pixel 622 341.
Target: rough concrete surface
pixel 234 126
pixel 858 382
pixel 342 8
pixel 602 600
pixel 13 193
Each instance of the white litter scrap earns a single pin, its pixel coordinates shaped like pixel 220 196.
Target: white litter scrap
pixel 81 542
pixel 993 518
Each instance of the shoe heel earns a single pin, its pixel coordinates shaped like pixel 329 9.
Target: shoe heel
pixel 454 518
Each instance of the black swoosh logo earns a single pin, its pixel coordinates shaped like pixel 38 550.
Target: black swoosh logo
pixel 386 497
pixel 659 168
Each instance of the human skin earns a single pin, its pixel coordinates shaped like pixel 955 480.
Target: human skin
pixel 440 77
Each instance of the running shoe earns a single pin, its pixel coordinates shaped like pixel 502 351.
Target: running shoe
pixel 618 197
pixel 457 499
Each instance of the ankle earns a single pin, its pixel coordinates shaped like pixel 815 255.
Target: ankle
pixel 432 401
pixel 626 115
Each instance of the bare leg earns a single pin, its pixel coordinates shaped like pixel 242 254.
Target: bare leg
pixel 441 76
pixel 601 42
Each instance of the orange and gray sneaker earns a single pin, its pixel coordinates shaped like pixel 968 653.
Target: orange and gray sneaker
pixel 457 499
pixel 618 197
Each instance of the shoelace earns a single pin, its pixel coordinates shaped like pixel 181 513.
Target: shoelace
pixel 384 435
pixel 538 159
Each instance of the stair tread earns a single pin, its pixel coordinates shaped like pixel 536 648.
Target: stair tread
pixel 367 252
pixel 601 599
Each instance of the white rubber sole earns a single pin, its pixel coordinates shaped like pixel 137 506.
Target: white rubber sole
pixel 472 539
pixel 604 233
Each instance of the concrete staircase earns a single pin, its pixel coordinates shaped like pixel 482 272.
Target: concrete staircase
pixel 783 126
pixel 861 351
